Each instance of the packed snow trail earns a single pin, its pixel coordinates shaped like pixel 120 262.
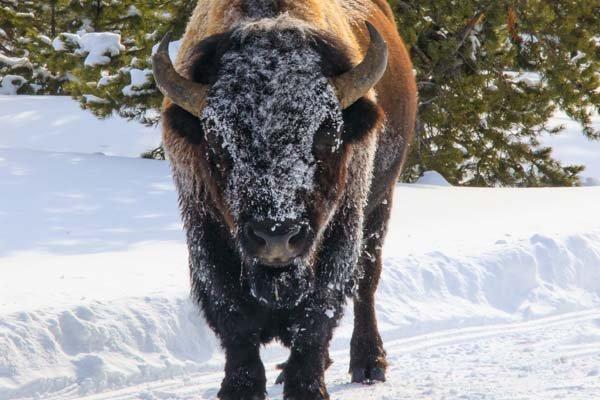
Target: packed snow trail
pixel 549 358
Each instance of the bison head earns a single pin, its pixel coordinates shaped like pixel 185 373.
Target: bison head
pixel 276 125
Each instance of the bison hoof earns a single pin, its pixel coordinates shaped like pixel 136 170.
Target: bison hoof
pixel 281 377
pixel 320 395
pixel 368 375
pixel 305 390
pixel 245 391
pixel 240 395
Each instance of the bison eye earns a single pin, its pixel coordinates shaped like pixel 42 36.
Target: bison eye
pixel 327 138
pixel 217 155
pixel 184 124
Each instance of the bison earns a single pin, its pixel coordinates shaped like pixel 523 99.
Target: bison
pixel 287 123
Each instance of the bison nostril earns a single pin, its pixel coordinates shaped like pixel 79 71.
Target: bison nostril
pixel 274 243
pixel 289 237
pixel 256 238
pixel 297 237
pixel 275 235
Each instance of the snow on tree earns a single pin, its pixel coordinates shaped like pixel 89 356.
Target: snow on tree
pixel 491 74
pixel 108 57
pixel 25 47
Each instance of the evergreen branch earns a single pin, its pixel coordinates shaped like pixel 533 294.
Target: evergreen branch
pixel 7 51
pixel 473 22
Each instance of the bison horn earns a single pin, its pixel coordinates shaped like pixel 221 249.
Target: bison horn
pixel 189 95
pixel 352 85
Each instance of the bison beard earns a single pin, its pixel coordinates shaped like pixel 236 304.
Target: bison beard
pixel 273 145
pixel 282 287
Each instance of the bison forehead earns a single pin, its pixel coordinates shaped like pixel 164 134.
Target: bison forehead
pixel 268 102
pixel 272 84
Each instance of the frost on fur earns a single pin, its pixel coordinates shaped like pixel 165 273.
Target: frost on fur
pixel 267 124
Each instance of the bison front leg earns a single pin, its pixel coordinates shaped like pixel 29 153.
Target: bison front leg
pixel 244 373
pixel 304 372
pixel 367 356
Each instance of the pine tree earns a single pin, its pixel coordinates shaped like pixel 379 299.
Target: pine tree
pixel 26 46
pixel 490 75
pixel 123 83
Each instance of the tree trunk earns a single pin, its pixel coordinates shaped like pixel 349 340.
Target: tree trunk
pixel 53 19
pixel 97 25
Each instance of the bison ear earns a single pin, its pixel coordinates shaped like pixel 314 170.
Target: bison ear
pixel 182 123
pixel 360 119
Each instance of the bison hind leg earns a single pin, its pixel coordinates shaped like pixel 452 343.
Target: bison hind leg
pixel 368 373
pixel 367 356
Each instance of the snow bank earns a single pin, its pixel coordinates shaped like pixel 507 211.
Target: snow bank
pixel 98 346
pixel 59 124
pixel 540 276
pixel 432 178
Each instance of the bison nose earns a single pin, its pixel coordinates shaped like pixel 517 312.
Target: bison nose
pixel 275 243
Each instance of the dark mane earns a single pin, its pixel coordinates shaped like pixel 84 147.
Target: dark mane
pixel 202 63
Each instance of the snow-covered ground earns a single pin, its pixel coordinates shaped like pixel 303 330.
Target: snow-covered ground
pixel 486 293
pixel 59 124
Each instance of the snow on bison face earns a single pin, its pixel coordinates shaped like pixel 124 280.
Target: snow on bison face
pixel 271 119
pixel 275 144
pixel 274 130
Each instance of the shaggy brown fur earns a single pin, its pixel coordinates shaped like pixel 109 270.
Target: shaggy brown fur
pixel 349 209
